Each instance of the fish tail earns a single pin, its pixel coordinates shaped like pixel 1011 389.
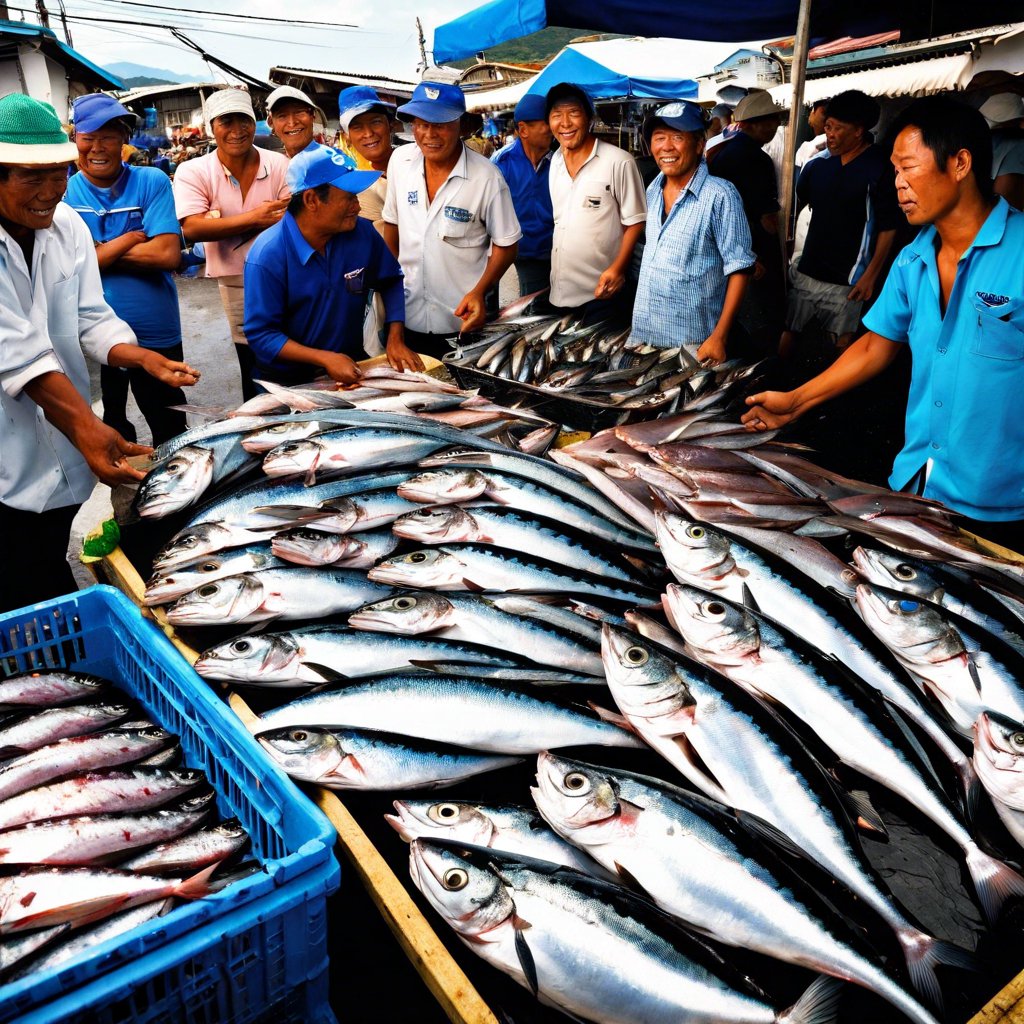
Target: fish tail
pixel 818 1005
pixel 994 880
pixel 198 886
pixel 924 953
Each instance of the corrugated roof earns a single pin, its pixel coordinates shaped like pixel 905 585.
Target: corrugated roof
pixel 355 78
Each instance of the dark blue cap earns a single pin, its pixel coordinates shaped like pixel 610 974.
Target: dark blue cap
pixel 435 102
pixel 680 116
pixel 97 109
pixel 530 108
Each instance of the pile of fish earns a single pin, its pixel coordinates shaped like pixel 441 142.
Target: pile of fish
pixel 101 827
pixel 595 363
pixel 479 606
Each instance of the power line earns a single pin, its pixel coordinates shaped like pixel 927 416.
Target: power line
pixel 229 15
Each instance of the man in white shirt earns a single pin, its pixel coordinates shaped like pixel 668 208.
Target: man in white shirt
pixel 598 199
pixel 449 219
pixel 51 308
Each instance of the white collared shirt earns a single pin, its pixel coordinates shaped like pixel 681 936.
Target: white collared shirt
pixel 443 245
pixel 47 318
pixel 591 211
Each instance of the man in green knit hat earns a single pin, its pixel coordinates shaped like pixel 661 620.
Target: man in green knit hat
pixel 52 314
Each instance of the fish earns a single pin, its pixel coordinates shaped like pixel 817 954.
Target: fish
pixel 516 531
pixel 734 749
pixel 210 845
pixel 505 827
pixel 458 710
pixel 168 586
pixel 302 546
pixel 368 760
pixel 44 689
pixel 699 864
pixel 294 592
pixel 41 897
pixel 41 727
pixel 480 620
pixel 480 568
pixel 588 947
pixel 313 655
pixel 21 948
pixel 848 718
pixel 999 760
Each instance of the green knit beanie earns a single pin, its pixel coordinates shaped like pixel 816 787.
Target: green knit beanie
pixel 31 134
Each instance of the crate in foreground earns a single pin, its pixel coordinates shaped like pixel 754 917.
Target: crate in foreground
pixel 253 952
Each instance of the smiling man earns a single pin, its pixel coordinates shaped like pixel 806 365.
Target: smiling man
pixel 291 116
pixel 365 120
pixel 697 259
pixel 956 296
pixel 51 309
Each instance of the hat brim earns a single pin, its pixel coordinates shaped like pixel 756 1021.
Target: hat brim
pixel 38 155
pixel 354 182
pixel 435 113
pixel 245 111
pixel 364 108
pixel 675 124
pixel 90 124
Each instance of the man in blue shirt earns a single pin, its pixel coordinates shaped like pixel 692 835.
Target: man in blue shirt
pixel 697 258
pixel 130 214
pixel 956 296
pixel 524 163
pixel 307 278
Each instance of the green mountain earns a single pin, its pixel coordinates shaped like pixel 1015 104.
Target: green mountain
pixel 537 48
pixel 138 81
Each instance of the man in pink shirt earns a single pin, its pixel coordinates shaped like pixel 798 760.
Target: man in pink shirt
pixel 225 199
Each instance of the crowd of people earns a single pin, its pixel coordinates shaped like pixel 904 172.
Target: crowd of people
pixel 319 256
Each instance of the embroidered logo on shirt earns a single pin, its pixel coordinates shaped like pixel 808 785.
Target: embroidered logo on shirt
pixel 991 300
pixel 591 202
pixel 413 198
pixel 457 213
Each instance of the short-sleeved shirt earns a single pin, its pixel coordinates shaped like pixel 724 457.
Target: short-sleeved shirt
pixel 963 425
pixel 292 292
pixel 742 161
pixel 140 200
pixel 591 211
pixel 205 184
pixel 1007 153
pixel 850 204
pixel 444 245
pixel 530 196
pixel 687 259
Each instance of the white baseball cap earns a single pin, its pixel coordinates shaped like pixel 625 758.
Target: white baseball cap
pixel 289 92
pixel 228 101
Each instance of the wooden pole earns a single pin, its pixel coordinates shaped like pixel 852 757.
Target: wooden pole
pixel 797 74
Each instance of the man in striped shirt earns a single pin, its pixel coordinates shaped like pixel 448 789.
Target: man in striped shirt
pixel 698 258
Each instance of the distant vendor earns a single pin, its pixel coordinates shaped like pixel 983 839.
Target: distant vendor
pixel 307 279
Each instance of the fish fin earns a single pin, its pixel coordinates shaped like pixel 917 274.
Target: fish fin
pixel 526 957
pixel 628 879
pixel 612 717
pixel 818 1005
pixel 292 513
pixel 749 601
pixel 972 668
pixel 198 886
pixel 474 588
pixel 863 813
pixel 913 742
pixel 924 953
pixel 767 832
pixel 994 881
pixel 331 675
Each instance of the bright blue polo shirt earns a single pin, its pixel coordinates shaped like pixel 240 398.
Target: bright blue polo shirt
pixel 140 200
pixel 531 199
pixel 963 414
pixel 291 291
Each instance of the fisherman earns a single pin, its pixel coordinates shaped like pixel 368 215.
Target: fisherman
pixel 815 145
pixel 51 308
pixel 130 214
pixel 721 118
pixel 525 163
pixel 697 258
pixel 741 159
pixel 322 248
pixel 225 199
pixel 956 296
pixel 448 218
pixel 292 116
pixel 853 223
pixel 366 121
pixel 597 197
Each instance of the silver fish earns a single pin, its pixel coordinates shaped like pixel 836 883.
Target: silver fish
pixel 165 587
pixel 999 759
pixel 52 724
pixel 210 845
pixel 46 688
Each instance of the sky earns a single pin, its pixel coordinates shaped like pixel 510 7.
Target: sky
pixel 384 42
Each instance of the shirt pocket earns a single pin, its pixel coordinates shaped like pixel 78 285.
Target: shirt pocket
pixel 464 235
pixel 999 333
pixel 62 311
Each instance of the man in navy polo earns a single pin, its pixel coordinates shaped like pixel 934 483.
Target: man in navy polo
pixel 956 296
pixel 308 277
pixel 524 163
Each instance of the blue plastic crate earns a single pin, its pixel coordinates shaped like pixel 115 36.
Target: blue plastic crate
pixel 256 951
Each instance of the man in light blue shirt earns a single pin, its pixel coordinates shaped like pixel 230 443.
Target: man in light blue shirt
pixel 956 296
pixel 697 258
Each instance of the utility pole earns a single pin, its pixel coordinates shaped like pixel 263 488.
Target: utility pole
pixel 423 48
pixel 64 23
pixel 44 14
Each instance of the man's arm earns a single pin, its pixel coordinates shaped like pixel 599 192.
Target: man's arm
pixel 713 348
pixel 615 276
pixel 102 447
pixel 389 232
pixel 161 252
pixel 336 365
pixel 176 374
pixel 201 227
pixel 471 310
pixel 864 359
pixel 110 252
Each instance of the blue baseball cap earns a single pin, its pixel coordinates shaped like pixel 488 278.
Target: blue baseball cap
pixel 359 99
pixel 680 116
pixel 97 109
pixel 530 108
pixel 435 102
pixel 321 165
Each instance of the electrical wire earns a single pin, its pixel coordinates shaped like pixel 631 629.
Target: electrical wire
pixel 234 16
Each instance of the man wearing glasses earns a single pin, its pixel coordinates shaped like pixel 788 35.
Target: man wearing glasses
pixel 307 278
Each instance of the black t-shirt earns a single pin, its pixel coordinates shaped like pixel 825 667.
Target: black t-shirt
pixel 850 204
pixel 743 162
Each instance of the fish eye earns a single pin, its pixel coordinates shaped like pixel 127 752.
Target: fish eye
pixel 418 556
pixel 715 609
pixel 277 428
pixel 636 655
pixel 444 812
pixel 425 513
pixel 209 590
pixel 455 879
pixel 904 571
pixel 241 647
pixel 576 782
pixel 189 542
pixel 209 567
pixel 1017 741
pixel 298 735
pixel 405 603
pixel 696 532
pixel 908 606
pixel 175 466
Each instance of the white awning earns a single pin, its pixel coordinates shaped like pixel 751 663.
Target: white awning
pixel 504 98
